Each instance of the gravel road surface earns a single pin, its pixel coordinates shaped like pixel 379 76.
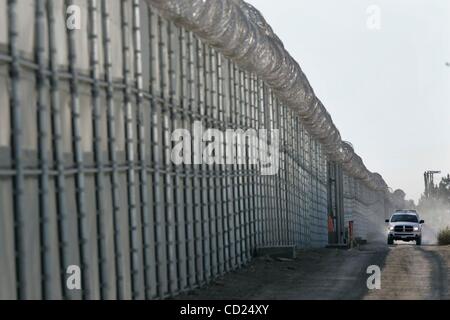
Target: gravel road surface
pixel 407 272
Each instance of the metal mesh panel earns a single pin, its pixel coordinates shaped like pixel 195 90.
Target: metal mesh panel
pixel 366 208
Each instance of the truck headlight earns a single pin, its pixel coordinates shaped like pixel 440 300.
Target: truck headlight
pixel 416 228
pixel 391 228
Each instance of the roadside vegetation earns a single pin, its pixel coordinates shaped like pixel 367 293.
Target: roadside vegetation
pixel 444 237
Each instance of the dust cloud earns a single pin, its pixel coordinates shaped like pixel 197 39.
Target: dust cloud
pixel 436 214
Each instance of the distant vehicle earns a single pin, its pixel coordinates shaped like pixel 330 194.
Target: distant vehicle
pixel 405 225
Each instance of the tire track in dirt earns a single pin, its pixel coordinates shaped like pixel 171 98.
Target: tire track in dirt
pixel 412 272
pixel 407 272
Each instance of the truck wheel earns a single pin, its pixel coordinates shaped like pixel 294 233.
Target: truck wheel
pixel 390 241
pixel 419 241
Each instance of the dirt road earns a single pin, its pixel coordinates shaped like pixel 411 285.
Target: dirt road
pixel 407 272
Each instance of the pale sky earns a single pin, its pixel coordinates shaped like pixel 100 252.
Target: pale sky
pixel 388 90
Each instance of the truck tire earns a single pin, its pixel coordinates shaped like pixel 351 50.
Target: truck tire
pixel 419 241
pixel 390 241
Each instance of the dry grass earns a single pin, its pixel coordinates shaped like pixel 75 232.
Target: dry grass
pixel 444 237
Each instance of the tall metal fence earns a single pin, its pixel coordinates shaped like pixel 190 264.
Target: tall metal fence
pixel 366 209
pixel 86 176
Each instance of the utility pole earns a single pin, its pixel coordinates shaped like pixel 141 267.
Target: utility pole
pixel 429 182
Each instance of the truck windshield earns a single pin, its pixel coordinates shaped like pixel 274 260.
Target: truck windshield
pixel 404 217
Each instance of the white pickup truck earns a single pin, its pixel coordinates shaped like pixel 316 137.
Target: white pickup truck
pixel 405 225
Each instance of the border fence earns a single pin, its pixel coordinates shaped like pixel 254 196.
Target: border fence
pixel 86 178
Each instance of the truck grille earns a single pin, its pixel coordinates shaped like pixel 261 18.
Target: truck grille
pixel 403 228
